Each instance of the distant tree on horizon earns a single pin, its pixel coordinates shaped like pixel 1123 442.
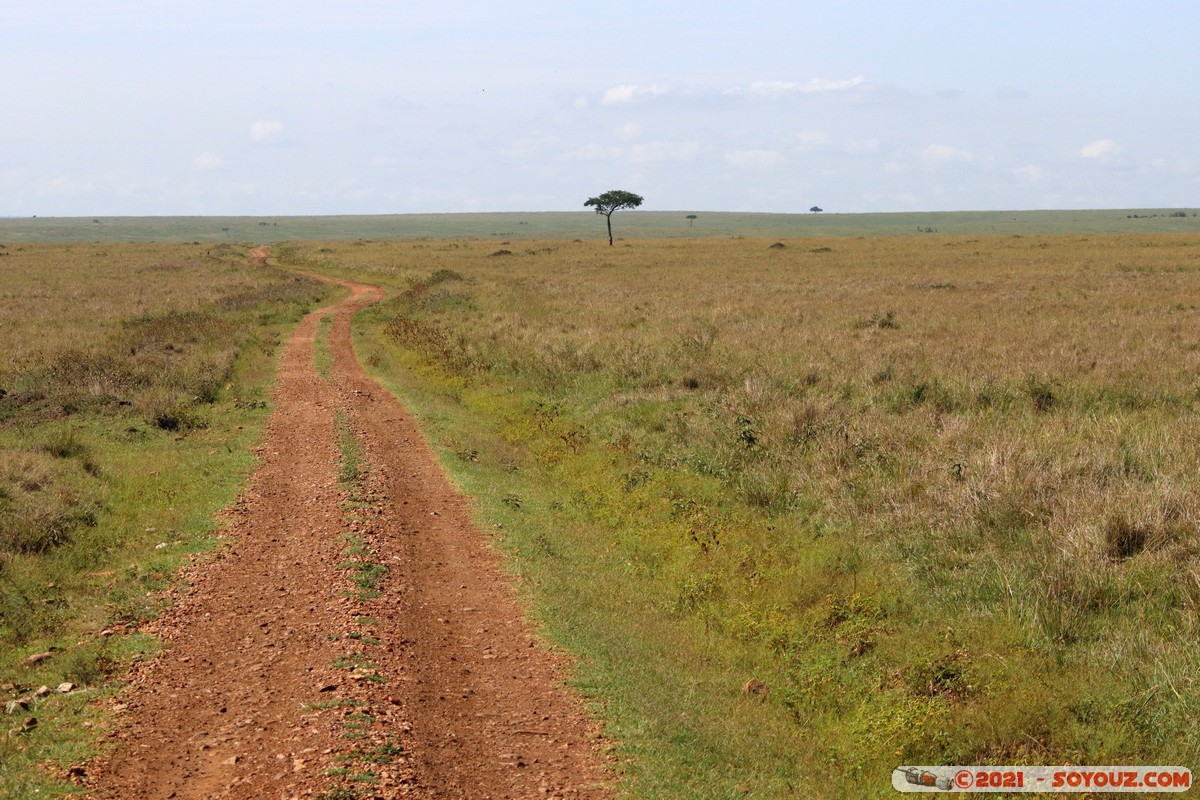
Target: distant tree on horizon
pixel 691 218
pixel 816 209
pixel 612 201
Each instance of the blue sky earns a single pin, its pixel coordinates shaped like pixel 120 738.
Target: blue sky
pixel 300 107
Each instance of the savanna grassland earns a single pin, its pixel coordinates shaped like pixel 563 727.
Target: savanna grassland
pixel 133 383
pixel 640 224
pixel 936 495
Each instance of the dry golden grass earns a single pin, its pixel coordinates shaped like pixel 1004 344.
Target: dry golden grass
pixel 61 296
pixel 150 326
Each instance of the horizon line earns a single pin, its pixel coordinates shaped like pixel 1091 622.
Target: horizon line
pixel 805 213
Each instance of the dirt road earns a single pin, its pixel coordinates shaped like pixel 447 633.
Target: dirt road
pixel 282 677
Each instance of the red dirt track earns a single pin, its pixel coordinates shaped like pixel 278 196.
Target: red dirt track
pixel 274 673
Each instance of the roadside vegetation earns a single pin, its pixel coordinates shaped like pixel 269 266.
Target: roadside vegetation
pixel 133 385
pixel 810 509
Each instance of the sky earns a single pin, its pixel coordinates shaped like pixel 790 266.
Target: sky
pixel 265 107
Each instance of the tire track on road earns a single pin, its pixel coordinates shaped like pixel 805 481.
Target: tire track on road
pixel 273 666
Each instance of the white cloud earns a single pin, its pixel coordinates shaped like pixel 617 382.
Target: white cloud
pixel 1101 148
pixel 635 92
pixel 264 131
pixel 945 154
pixel 754 159
pixel 812 86
pixel 628 93
pixel 207 161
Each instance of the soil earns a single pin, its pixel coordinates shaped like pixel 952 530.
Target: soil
pixel 280 677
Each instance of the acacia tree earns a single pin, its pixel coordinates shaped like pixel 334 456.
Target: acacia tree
pixel 612 201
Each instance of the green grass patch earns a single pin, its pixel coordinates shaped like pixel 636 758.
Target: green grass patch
pixel 338 792
pixel 364 570
pixel 352 661
pixel 352 469
pixel 322 358
pixel 328 704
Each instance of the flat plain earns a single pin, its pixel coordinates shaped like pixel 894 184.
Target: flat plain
pixel 801 508
pixel 584 225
